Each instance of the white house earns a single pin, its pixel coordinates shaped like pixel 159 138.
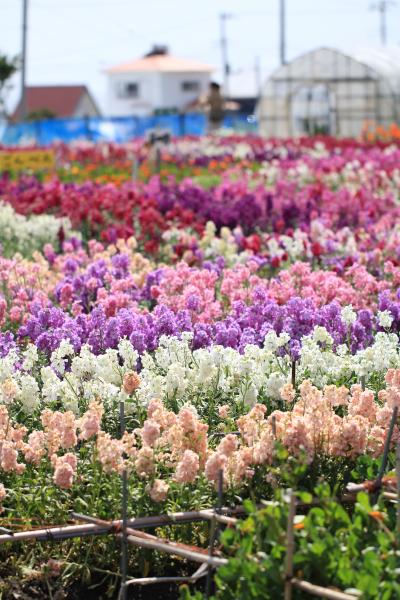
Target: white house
pixel 155 82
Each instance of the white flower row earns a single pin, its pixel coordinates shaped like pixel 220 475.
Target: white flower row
pixel 177 373
pixel 26 234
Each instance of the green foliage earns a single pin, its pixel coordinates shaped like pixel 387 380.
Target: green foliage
pixel 348 547
pixel 8 66
pixel 41 114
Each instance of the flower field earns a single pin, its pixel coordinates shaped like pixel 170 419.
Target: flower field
pixel 243 306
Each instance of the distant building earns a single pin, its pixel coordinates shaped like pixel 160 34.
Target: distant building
pixel 330 92
pixel 157 82
pixel 61 101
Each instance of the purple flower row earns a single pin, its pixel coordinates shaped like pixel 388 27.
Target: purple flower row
pixel 244 325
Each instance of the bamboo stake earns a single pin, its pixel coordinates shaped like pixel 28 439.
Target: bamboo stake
pixel 294 373
pixel 290 546
pixel 94 526
pixel 201 571
pixel 171 548
pixel 390 496
pixel 6 531
pixel 378 481
pixel 273 425
pixel 321 592
pixel 55 533
pixel 220 518
pixel 214 529
pixel 152 580
pixel 124 512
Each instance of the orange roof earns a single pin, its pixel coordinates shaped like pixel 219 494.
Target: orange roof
pixel 164 63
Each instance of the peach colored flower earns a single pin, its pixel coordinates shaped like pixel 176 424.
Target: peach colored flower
pixel 187 468
pixel 150 432
pixel 223 411
pixel 287 393
pixel 144 463
pixel 131 382
pixel 158 491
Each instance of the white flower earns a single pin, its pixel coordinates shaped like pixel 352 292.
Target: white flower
pixel 321 335
pixel 385 319
pixel 29 234
pixel 283 339
pixel 29 393
pixel 128 354
pixel 271 341
pixel 349 316
pixel 250 396
pixel 30 357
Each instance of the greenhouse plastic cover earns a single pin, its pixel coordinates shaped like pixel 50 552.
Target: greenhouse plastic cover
pixel 385 61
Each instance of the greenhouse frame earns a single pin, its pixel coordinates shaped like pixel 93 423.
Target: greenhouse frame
pixel 329 92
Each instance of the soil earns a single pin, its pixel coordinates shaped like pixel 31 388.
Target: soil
pixel 38 590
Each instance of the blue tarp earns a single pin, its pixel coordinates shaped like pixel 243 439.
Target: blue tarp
pixel 117 129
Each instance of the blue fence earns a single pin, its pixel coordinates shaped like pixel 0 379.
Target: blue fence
pixel 118 129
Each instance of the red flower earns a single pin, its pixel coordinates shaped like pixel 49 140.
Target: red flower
pixel 317 249
pixel 151 247
pixel 275 262
pixel 253 242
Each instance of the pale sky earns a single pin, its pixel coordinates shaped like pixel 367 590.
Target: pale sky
pixel 73 41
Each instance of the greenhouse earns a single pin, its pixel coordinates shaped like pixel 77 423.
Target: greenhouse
pixel 327 91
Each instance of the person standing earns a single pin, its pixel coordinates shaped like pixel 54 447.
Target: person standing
pixel 216 107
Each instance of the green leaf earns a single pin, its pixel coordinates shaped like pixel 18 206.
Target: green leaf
pixel 363 501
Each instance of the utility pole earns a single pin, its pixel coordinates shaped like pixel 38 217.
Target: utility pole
pixel 224 51
pixel 382 7
pixel 282 37
pixel 257 75
pixel 23 67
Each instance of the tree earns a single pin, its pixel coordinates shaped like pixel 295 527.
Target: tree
pixel 8 66
pixel 41 114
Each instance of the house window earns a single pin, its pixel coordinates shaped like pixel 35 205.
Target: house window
pixel 190 86
pixel 127 89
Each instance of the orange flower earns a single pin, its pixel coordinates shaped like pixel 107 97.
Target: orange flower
pixel 376 514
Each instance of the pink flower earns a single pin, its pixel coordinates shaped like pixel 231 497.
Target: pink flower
pixel 287 392
pixel 150 432
pixel 110 453
pixel 90 422
pixel 223 411
pixel 144 463
pixel 9 458
pixel 64 470
pixel 3 492
pixel 187 419
pixel 187 468
pixel 35 448
pixel 215 463
pixel 158 491
pixel 3 308
pixel 66 294
pixel 15 314
pixel 228 445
